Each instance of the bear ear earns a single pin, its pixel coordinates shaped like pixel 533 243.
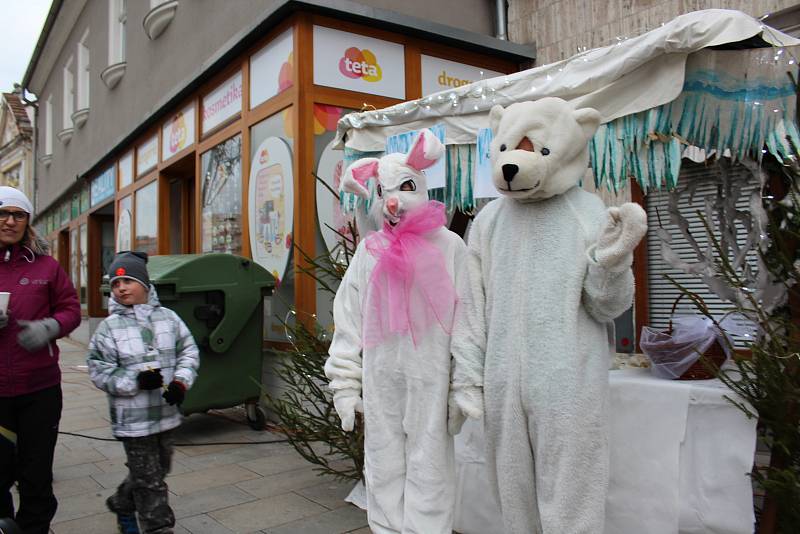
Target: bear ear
pixel 425 151
pixel 589 121
pixel 356 176
pixel 495 114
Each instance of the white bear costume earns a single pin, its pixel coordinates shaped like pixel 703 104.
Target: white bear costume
pixel 403 377
pixel 549 267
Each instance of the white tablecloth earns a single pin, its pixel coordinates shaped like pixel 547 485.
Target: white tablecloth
pixel 680 454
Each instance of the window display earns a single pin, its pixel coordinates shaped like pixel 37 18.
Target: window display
pixel 146 218
pixel 221 197
pixel 271 205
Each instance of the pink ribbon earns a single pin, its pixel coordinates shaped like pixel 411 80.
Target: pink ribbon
pixel 410 288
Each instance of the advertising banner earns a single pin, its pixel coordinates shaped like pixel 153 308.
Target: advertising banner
pixel 358 63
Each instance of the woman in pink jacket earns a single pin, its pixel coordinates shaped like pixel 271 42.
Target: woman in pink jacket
pixel 43 307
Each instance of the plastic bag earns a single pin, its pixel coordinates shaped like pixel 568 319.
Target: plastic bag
pixel 673 354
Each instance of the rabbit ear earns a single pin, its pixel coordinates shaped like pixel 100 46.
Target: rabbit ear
pixel 425 151
pixel 356 176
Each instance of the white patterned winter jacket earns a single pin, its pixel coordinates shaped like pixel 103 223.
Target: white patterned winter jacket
pixel 134 339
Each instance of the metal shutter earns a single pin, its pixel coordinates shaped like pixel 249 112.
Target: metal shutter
pixel 662 293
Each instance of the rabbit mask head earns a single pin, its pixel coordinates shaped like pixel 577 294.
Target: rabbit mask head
pixel 401 185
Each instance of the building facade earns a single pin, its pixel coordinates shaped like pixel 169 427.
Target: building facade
pixel 562 28
pixel 16 142
pixel 180 127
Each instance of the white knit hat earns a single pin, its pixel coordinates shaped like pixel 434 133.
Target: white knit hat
pixel 14 198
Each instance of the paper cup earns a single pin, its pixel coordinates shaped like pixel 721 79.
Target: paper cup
pixel 4 296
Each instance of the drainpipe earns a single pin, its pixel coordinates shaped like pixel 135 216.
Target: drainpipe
pixel 34 134
pixel 501 20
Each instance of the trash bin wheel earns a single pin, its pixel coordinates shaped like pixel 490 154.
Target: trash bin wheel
pixel 8 526
pixel 256 417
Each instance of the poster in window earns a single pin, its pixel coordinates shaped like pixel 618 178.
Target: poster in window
pixel 222 197
pixel 333 223
pixel 126 170
pixel 147 155
pixel 222 103
pixel 271 69
pixel 358 63
pixel 178 132
pixel 124 228
pixel 271 203
pixel 440 74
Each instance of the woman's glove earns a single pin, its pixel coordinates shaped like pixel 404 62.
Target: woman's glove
pixel 148 380
pixel 625 227
pixel 175 393
pixel 37 334
pixel 347 402
pixel 3 320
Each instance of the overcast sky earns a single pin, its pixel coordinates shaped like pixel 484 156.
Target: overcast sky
pixel 22 24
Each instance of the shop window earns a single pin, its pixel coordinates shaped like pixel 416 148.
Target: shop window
pixel 84 200
pixel 83 261
pixel 83 72
pixel 271 213
pixel 222 104
pixel 271 70
pixel 330 220
pixel 146 218
pixel 124 226
pixel 126 170
pixel 73 258
pixel 177 133
pixel 221 197
pixel 147 155
pixel 65 212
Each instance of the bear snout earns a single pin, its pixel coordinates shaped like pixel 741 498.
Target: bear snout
pixel 509 171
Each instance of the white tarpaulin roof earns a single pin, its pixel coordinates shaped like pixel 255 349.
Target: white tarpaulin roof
pixel 629 77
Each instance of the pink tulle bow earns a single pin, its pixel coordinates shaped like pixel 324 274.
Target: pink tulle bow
pixel 410 288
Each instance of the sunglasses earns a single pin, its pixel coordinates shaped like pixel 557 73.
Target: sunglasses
pixel 19 216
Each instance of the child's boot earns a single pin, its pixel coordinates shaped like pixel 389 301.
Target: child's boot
pixel 126 524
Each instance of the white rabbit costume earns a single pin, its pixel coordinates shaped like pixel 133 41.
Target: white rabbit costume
pixel 393 315
pixel 549 266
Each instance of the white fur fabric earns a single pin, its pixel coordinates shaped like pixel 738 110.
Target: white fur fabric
pixel 539 302
pixel 409 458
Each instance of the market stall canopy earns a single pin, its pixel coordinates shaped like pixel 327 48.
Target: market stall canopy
pixel 633 75
pixel 715 79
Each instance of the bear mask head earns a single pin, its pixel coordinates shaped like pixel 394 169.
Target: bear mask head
pixel 540 149
pixel 401 185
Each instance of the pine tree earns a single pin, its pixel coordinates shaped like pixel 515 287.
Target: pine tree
pixel 305 408
pixel 767 384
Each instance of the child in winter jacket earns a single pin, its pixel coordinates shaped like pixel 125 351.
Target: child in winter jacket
pixel 145 358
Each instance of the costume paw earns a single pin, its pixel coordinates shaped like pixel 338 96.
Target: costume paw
pixel 347 402
pixel 625 227
pixel 462 403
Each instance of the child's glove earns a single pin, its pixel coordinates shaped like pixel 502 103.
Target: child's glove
pixel 625 227
pixel 36 334
pixel 347 402
pixel 148 380
pixel 175 393
pixel 462 403
pixel 3 320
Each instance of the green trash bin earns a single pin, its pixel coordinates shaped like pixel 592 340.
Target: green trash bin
pixel 220 298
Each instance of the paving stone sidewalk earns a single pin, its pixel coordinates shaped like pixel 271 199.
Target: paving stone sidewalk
pixel 214 489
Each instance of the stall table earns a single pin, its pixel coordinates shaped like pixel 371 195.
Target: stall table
pixel 680 455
